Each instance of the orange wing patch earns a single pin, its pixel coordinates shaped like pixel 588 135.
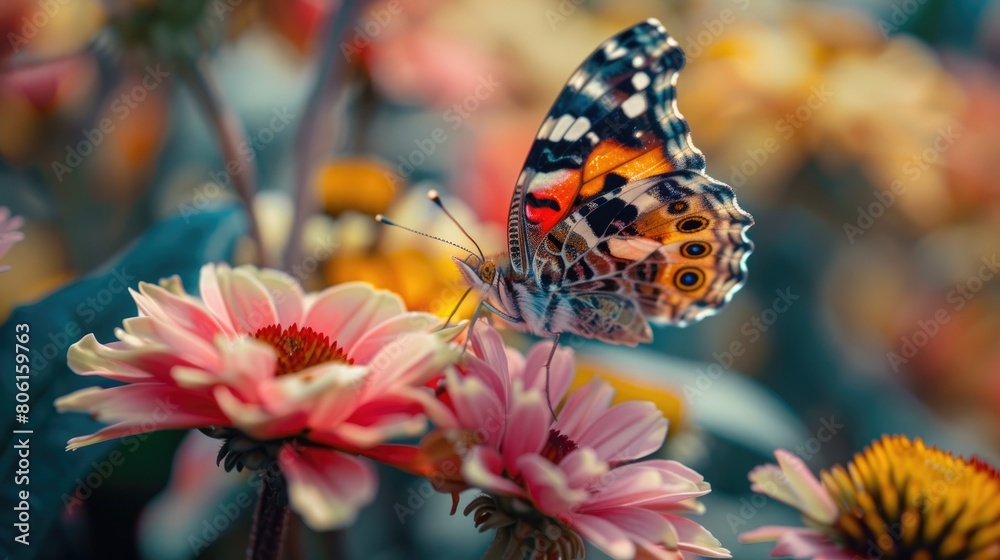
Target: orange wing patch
pixel 630 163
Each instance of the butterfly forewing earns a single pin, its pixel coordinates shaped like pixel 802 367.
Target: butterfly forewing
pixel 616 121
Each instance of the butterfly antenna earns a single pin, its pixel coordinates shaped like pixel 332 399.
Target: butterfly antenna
pixel 436 199
pixel 383 220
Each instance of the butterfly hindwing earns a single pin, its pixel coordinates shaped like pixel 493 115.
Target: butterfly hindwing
pixel 674 244
pixel 616 121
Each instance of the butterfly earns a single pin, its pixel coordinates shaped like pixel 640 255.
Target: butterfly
pixel 613 223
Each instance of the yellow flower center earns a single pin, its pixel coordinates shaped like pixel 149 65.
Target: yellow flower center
pixel 902 499
pixel 299 349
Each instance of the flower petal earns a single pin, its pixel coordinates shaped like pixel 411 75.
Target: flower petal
pixel 346 311
pixel 325 487
pixel 793 483
pixel 483 468
pixel 605 535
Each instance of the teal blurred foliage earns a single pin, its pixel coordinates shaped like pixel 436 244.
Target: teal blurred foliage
pixel 60 482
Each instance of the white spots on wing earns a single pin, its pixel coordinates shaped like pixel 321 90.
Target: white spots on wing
pixel 579 128
pixel 593 137
pixel 594 89
pixel 540 182
pixel 670 40
pixel 582 229
pixel 640 81
pixel 634 106
pixel 546 128
pixel 577 81
pixel 632 248
pixel 522 177
pixel 638 61
pixel 656 23
pixel 562 125
pixel 614 51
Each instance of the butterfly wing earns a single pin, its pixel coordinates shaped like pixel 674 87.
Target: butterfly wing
pixel 671 247
pixel 616 121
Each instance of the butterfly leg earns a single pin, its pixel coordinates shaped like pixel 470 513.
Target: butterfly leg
pixel 548 364
pixel 454 311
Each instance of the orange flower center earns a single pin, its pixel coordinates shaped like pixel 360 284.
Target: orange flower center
pixel 299 349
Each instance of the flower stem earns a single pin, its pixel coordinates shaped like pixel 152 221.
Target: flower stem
pixel 324 94
pixel 269 519
pixel 198 75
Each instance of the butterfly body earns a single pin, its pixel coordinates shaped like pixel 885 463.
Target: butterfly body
pixel 614 224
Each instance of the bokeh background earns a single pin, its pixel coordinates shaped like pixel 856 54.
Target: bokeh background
pixel 862 136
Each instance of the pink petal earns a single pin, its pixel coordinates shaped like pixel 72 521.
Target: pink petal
pixel 605 535
pixel 561 371
pixel 527 427
pixel 347 311
pixel 626 432
pixel 386 332
pixel 138 408
pixel 256 421
pixel 184 311
pixel 582 467
pixel 197 351
pixel 583 405
pixel 692 537
pixel 477 408
pixel 793 483
pixel 286 295
pixel 412 359
pixel 236 296
pixel 798 542
pixel 325 487
pixel 482 468
pixel 548 486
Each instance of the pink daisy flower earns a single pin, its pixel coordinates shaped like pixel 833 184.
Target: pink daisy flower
pixel 303 381
pixel 9 232
pixel 548 482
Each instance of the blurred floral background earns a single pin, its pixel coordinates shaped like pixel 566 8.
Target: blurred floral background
pixel 860 135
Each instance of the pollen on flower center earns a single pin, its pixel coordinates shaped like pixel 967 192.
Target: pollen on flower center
pixel 299 349
pixel 557 447
pixel 907 500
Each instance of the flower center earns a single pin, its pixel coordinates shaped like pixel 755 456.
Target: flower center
pixel 299 349
pixel 557 447
pixel 903 499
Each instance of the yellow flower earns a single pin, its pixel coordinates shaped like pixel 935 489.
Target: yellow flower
pixel 897 499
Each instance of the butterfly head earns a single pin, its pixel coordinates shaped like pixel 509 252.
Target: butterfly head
pixel 487 277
